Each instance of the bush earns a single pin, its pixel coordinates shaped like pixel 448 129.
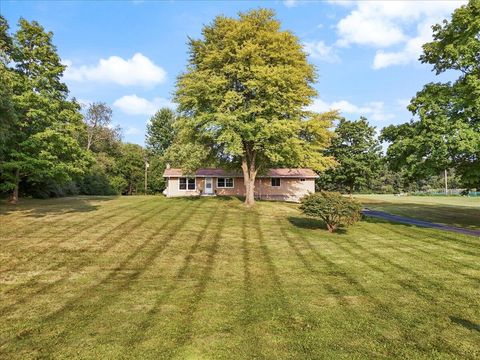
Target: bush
pixel 332 208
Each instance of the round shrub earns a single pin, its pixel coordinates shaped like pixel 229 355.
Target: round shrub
pixel 332 208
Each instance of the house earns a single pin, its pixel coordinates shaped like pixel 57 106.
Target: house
pixel 276 184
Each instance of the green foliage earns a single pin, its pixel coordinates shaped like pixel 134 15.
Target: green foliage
pixel 243 97
pixel 358 154
pixel 97 118
pixel 156 181
pixel 332 208
pixel 160 131
pixel 42 145
pixel 447 131
pixel 131 165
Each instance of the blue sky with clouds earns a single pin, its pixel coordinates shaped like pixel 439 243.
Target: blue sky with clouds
pixel 128 53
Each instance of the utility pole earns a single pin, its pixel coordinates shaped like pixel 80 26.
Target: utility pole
pixel 446 182
pixel 146 175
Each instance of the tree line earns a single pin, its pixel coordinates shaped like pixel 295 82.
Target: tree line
pixel 241 104
pixel 49 145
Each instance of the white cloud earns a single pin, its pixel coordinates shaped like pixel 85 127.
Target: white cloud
pixel 321 51
pixel 134 105
pixel 374 110
pixel 138 70
pixel 132 131
pixel 382 24
pixel 290 3
pixel 410 52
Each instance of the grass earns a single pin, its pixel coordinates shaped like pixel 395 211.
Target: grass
pixel 451 210
pixel 149 277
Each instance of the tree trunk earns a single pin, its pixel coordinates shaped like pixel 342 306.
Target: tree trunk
pixel 249 175
pixel 14 196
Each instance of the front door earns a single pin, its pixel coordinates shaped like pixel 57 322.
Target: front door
pixel 208 186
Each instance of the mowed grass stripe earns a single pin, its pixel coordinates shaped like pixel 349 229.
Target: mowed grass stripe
pixel 31 226
pixel 74 265
pixel 212 279
pixel 185 293
pixel 143 327
pixel 90 223
pixel 415 250
pixel 432 237
pixel 111 286
pixel 384 309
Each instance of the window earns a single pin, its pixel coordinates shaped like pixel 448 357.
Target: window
pixel 224 182
pixel 186 184
pixel 276 182
pixel 302 179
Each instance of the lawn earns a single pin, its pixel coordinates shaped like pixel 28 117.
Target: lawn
pixel 149 277
pixel 458 211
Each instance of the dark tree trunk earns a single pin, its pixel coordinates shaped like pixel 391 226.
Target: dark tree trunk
pixel 14 195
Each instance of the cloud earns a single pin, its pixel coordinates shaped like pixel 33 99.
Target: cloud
pixel 409 53
pixel 290 3
pixel 134 105
pixel 319 50
pixel 138 70
pixel 374 110
pixel 133 131
pixel 381 24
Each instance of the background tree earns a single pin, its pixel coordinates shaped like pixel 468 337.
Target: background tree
pixel 358 153
pixel 243 98
pixel 160 131
pixel 7 108
pixel 159 137
pixel 98 116
pixel 44 144
pixel 131 167
pixel 446 132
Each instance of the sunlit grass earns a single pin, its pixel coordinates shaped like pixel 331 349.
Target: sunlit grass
pixel 458 211
pixel 149 277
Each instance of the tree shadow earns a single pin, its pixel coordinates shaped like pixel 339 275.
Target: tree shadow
pixel 465 323
pixel 38 208
pixel 312 224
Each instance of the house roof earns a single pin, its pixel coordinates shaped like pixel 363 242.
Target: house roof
pixel 214 172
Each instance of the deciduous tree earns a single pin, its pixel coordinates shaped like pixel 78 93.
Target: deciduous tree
pixel 358 153
pixel 243 98
pixel 45 142
pixel 446 132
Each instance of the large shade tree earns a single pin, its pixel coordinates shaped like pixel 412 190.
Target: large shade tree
pixel 44 142
pixel 446 132
pixel 243 96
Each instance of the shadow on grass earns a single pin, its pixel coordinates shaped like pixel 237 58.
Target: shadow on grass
pixel 465 323
pixel 312 224
pixel 38 208
pixel 454 215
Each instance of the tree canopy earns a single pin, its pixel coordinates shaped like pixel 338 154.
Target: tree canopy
pixel 43 142
pixel 446 130
pixel 242 100
pixel 358 153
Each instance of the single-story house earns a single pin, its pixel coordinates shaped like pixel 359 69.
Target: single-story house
pixel 276 184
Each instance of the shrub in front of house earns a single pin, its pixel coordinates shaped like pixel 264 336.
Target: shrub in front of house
pixel 332 208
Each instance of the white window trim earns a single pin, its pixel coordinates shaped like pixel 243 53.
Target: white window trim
pixel 226 187
pixel 279 182
pixel 187 189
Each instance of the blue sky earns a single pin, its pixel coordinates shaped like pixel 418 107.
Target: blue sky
pixel 128 53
